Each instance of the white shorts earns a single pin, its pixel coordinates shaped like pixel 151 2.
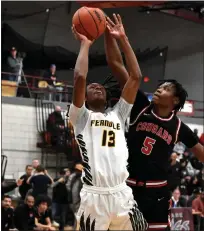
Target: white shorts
pixel 109 208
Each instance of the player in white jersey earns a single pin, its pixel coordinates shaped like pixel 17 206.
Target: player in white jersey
pixel 106 201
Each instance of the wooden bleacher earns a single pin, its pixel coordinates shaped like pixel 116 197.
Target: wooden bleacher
pixel 8 88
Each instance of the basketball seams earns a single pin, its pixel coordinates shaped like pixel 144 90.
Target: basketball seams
pixel 94 22
pixel 104 15
pixel 83 26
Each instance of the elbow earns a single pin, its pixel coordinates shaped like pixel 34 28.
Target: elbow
pixel 79 76
pixel 137 77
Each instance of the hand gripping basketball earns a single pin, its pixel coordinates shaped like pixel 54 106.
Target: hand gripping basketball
pixel 116 29
pixel 79 36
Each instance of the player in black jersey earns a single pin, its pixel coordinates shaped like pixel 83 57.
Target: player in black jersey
pixel 154 129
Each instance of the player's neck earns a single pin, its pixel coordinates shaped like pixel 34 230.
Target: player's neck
pixel 162 112
pixel 97 109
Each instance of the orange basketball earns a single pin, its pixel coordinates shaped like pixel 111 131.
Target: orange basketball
pixel 90 22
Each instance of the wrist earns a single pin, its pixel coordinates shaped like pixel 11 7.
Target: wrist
pixel 86 43
pixel 123 38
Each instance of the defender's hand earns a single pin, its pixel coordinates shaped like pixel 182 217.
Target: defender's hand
pixel 116 28
pixel 80 37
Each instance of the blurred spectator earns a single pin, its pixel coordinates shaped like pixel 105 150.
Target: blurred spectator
pixel 14 65
pixel 7 214
pixel 192 185
pixel 177 200
pixel 74 185
pixel 174 172
pixel 40 182
pixel 201 178
pixel 195 194
pixel 179 148
pixel 35 164
pixel 24 215
pixel 60 198
pixel 55 125
pixel 50 77
pixel 23 189
pixel 198 208
pixel 196 163
pixel 42 217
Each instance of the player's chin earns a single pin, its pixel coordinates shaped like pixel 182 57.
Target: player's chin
pixel 99 97
pixel 155 100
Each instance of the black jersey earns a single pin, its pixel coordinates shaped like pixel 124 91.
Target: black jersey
pixel 151 140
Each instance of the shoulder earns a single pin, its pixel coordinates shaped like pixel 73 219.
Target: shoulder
pixel 10 210
pixel 46 214
pixel 23 176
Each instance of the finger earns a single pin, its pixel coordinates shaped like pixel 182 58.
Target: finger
pixel 116 19
pixel 74 29
pixel 119 19
pixel 111 23
pixel 109 29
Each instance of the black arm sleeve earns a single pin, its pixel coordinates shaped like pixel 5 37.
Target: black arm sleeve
pixel 186 136
pixel 8 188
pixel 140 103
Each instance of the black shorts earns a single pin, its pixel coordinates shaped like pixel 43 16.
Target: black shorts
pixel 154 204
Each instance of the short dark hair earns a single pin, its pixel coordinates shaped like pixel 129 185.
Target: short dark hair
pixel 180 92
pixel 6 196
pixel 28 165
pixel 40 168
pixel 42 199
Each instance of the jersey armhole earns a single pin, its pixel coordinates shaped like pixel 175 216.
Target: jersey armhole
pixel 77 133
pixel 137 117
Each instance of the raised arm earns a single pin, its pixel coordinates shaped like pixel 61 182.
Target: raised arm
pixel 132 85
pixel 114 59
pixel 81 69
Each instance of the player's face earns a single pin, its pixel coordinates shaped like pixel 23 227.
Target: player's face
pixel 164 96
pixel 96 92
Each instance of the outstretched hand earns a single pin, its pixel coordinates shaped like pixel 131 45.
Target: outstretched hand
pixel 79 36
pixel 116 28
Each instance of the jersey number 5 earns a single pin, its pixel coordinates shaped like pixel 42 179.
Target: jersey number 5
pixel 148 145
pixel 108 138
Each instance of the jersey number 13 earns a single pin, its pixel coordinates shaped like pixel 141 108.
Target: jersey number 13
pixel 108 138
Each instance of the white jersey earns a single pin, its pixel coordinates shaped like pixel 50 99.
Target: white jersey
pixel 101 139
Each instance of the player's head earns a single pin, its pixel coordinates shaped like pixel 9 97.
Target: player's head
pixel 96 95
pixel 170 94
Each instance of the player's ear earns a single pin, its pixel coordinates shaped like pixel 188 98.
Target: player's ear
pixel 176 101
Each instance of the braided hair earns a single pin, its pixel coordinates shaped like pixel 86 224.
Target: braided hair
pixel 180 92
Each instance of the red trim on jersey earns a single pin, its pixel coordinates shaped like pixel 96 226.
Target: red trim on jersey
pixel 177 131
pixel 157 226
pixel 149 184
pixel 157 186
pixel 163 119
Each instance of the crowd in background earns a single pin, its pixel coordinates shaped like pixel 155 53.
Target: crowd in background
pixel 45 203
pixel 49 204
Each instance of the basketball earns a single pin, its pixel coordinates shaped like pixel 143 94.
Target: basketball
pixel 90 22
